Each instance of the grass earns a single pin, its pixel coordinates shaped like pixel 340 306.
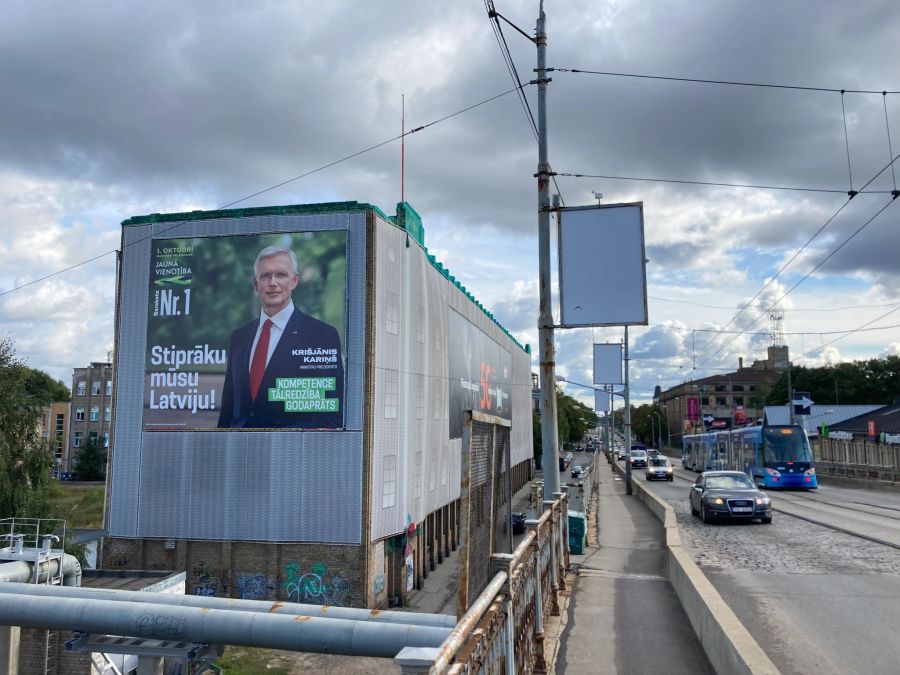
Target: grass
pixel 251 661
pixel 81 504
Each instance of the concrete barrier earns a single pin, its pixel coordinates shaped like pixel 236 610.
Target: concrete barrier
pixel 728 644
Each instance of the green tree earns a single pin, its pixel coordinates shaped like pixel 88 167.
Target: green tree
pixel 573 419
pixel 536 440
pixel 43 388
pixel 871 381
pixel 646 421
pixel 90 461
pixel 25 459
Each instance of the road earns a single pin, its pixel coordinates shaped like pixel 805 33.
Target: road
pixel 817 599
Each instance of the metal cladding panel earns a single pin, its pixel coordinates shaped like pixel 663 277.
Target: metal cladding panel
pixel 521 439
pixel 303 486
pixel 411 347
pixel 131 348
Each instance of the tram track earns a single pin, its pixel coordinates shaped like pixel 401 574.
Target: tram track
pixel 822 523
pixel 819 500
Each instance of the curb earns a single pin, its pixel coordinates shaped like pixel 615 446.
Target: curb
pixel 728 644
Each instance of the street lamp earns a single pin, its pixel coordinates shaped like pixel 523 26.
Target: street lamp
pixel 656 439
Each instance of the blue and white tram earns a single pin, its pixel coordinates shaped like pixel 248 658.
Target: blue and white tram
pixel 698 452
pixel 774 456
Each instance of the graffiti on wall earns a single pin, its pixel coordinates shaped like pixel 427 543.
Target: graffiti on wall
pixel 378 583
pixel 209 582
pixel 314 587
pixel 255 587
pixel 411 532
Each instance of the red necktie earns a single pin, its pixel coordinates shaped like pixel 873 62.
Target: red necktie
pixel 258 365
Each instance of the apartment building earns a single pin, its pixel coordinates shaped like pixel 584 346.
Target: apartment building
pixel 90 410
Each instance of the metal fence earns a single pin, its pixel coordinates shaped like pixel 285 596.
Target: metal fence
pixel 485 516
pixel 503 629
pixel 858 459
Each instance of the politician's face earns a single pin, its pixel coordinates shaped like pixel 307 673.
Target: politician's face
pixel 274 280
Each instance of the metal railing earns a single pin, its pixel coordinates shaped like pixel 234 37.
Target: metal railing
pixel 858 459
pixel 503 629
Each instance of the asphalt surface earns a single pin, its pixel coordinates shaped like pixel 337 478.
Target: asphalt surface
pixel 624 616
pixel 817 600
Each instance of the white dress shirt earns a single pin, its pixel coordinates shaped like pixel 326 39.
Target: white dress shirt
pixel 279 322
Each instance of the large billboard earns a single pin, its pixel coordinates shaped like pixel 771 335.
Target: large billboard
pixel 602 247
pixel 480 374
pixel 608 363
pixel 246 332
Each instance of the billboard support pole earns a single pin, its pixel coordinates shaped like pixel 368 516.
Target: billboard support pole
pixel 549 435
pixel 627 420
pixel 610 446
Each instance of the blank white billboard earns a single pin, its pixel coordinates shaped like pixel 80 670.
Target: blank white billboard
pixel 602 273
pixel 601 401
pixel 608 363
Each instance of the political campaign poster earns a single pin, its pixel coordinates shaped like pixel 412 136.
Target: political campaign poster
pixel 246 332
pixel 480 374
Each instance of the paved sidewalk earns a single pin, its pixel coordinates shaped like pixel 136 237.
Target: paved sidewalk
pixel 619 613
pixel 623 615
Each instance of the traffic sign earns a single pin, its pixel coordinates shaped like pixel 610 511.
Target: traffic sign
pixel 802 403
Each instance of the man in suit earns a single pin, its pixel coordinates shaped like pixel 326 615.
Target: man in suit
pixel 284 368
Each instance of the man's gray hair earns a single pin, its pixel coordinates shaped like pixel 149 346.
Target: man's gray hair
pixel 270 251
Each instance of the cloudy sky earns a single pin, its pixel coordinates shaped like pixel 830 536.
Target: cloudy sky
pixel 116 109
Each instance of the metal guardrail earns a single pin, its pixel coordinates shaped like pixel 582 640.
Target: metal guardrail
pixel 858 459
pixel 503 630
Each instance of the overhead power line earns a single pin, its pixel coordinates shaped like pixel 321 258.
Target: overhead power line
pixel 860 329
pixel 273 187
pixel 495 17
pixel 798 333
pixel 734 83
pixel 800 250
pixel 792 309
pixel 806 276
pixel 752 186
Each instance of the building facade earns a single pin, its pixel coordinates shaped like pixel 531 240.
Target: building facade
pixel 90 414
pixel 352 510
pixel 722 401
pixel 54 428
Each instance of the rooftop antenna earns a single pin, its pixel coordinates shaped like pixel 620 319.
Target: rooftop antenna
pixel 776 319
pixel 402 147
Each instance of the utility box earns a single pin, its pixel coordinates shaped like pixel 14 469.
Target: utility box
pixel 577 532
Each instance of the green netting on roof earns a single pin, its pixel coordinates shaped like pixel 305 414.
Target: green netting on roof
pixel 325 207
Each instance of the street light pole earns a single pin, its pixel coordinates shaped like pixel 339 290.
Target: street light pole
pixel 547 355
pixel 658 438
pixel 627 419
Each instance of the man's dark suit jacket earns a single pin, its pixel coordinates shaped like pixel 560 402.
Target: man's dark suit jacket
pixel 302 332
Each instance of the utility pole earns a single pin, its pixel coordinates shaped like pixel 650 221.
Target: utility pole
pixel 627 420
pixel 790 396
pixel 547 350
pixel 610 446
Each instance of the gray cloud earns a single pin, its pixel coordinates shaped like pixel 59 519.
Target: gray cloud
pixel 116 110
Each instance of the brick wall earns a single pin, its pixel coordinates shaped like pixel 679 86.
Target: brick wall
pixel 308 573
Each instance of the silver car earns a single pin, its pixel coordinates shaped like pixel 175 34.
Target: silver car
pixel 658 468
